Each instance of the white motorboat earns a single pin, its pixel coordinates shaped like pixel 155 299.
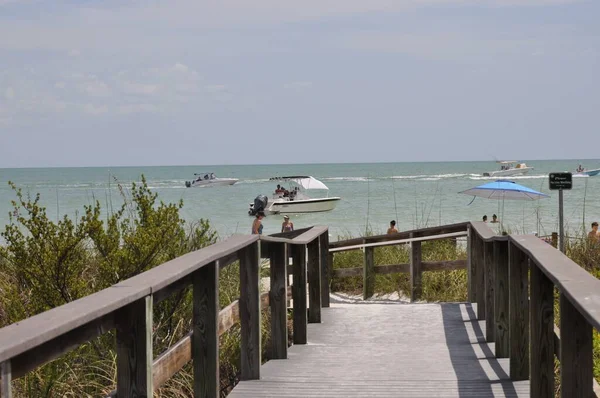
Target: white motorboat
pixel 209 180
pixel 295 199
pixel 581 172
pixel 509 168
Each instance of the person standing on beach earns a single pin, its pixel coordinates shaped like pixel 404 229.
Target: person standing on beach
pixel 257 226
pixel 593 236
pixel 392 229
pixel 287 225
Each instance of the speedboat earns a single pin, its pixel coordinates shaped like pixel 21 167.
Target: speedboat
pixel 294 199
pixel 209 180
pixel 581 172
pixel 509 168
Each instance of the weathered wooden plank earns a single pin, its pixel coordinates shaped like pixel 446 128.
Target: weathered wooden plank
pixel 250 313
pixel 5 382
pixel 46 352
pixel 134 349
pixel 32 332
pixel 310 235
pixel 314 282
pixel 326 267
pixel 205 339
pixel 416 273
pixel 368 273
pixel 501 310
pixel 518 303
pixel 444 229
pixel 480 274
pixel 299 294
pixel 484 232
pixel 471 266
pixel 488 260
pixel 402 268
pixel 278 300
pixel 581 288
pixel 542 334
pixel 576 352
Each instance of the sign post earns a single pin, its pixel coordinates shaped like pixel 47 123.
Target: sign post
pixel 561 181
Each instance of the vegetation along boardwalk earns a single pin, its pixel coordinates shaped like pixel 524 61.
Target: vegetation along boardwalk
pixel 390 350
pixel 504 342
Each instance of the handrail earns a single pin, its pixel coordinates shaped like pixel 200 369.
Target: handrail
pixel 512 279
pixel 128 308
pixel 38 329
pixel 399 241
pixel 582 288
pixel 422 232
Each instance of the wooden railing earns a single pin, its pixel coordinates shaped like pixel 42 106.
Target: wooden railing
pixel 512 279
pixel 416 265
pixel 127 307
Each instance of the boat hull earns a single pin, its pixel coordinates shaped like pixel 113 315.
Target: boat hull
pixel 587 173
pixel 213 183
pixel 302 206
pixel 508 173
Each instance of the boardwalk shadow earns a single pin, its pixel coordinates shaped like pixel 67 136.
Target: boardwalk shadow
pixel 478 372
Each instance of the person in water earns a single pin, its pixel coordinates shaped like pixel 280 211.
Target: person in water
pixel 287 225
pixel 392 229
pixel 485 218
pixel 257 226
pixel 494 218
pixel 593 236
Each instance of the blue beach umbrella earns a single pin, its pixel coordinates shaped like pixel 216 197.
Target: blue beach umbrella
pixel 504 189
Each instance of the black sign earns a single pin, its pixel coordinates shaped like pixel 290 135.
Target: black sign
pixel 561 181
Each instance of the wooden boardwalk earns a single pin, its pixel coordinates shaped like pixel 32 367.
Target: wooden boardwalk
pixel 389 350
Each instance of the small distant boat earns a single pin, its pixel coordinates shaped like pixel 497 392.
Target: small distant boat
pixel 294 200
pixel 509 168
pixel 581 172
pixel 209 180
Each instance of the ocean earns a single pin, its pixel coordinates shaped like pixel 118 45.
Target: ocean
pixel 414 194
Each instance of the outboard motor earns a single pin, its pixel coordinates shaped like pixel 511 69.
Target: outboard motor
pixel 260 204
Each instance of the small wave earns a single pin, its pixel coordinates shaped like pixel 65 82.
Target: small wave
pixel 253 181
pixel 347 179
pixel 532 177
pixel 431 177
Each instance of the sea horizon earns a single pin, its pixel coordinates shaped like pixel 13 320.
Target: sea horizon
pixel 415 194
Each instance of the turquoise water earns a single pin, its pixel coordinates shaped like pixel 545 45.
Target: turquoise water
pixel 416 194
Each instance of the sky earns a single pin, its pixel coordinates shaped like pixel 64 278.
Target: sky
pixel 91 83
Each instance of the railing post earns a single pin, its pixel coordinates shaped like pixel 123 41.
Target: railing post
pixel 542 334
pixel 416 271
pixel 250 312
pixel 576 348
pixel 278 300
pixel 205 336
pixel 501 299
pixel 480 273
pixel 326 267
pixel 299 293
pixel 471 295
pixel 488 260
pixel 314 282
pixel 134 349
pixel 368 272
pixel 6 388
pixel 518 303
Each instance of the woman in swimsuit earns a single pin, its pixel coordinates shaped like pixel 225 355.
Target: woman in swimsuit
pixel 287 225
pixel 257 226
